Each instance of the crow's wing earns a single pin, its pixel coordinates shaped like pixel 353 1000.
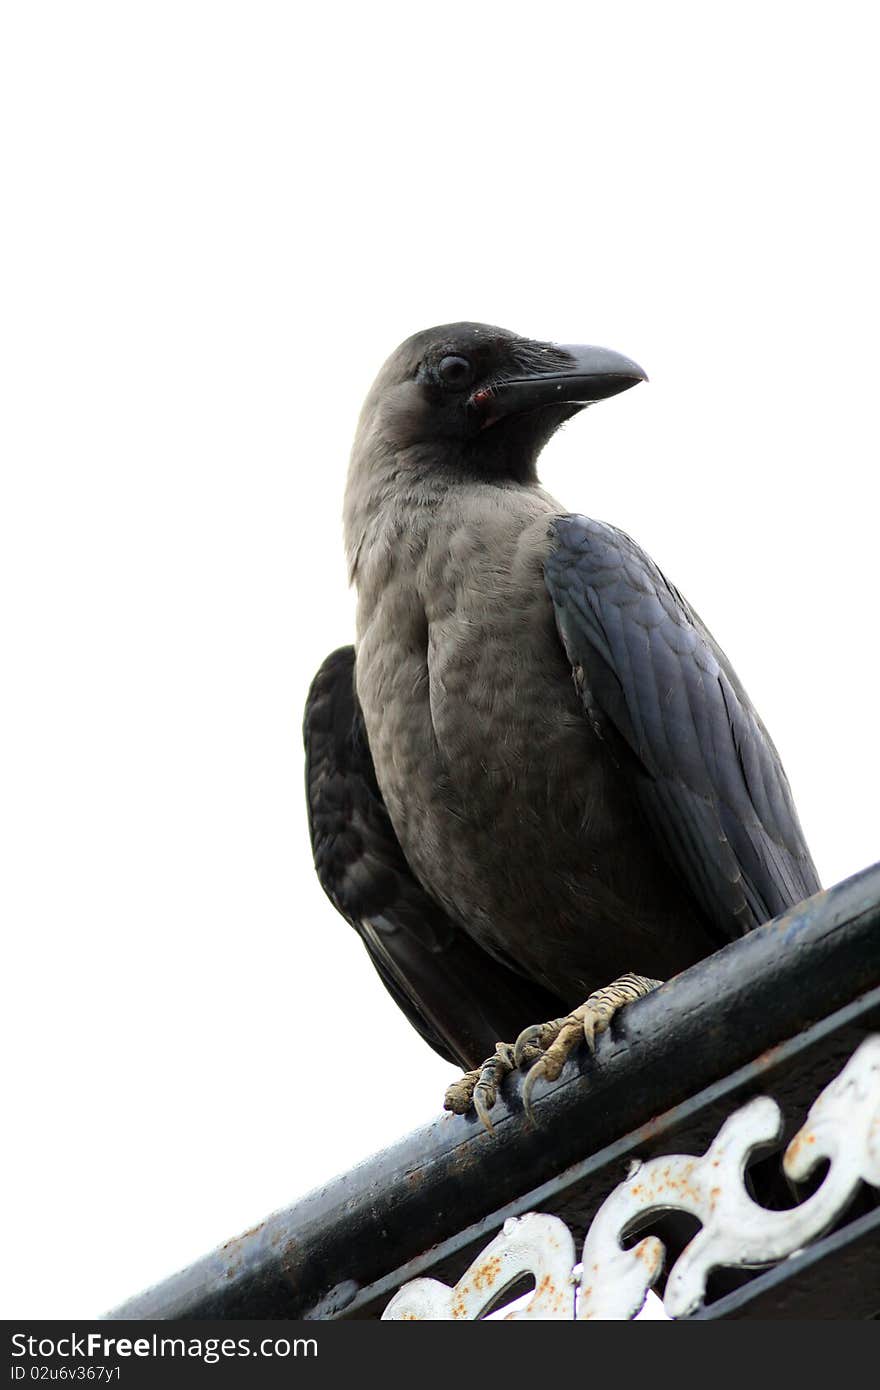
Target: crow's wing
pixel 460 999
pixel 658 687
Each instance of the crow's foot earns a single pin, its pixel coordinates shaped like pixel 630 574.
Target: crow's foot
pixel 545 1047
pixel 480 1088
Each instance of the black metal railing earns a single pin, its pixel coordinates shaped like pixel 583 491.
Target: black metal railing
pixel 777 1012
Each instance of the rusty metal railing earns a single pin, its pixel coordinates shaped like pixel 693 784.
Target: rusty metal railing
pixel 778 1013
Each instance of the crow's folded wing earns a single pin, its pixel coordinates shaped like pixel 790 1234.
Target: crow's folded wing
pixel 460 999
pixel 660 690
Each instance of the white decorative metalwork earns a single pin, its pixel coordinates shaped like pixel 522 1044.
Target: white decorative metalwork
pixel 532 1244
pixel 843 1126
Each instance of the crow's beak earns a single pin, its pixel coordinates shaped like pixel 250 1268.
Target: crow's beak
pixel 573 376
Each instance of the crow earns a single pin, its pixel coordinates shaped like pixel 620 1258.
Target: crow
pixel 536 787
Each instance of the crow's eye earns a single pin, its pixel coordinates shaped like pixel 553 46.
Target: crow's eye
pixel 455 372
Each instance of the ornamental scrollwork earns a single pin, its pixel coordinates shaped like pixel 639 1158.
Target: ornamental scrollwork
pixel 842 1127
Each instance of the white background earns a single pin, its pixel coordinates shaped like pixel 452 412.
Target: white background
pixel 218 221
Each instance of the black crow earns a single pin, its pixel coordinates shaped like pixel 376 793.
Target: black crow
pixel 537 773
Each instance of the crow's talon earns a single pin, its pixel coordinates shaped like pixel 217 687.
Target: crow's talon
pixel 544 1048
pixel 459 1095
pixel 485 1096
pixel 479 1088
pixel 531 1043
pixel 532 1075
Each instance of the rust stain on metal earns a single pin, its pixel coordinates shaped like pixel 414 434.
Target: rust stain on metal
pixel 650 1128
pixel 679 1183
pixel 465 1157
pixel 484 1275
pixel 246 1235
pixel 767 1059
pixel 798 1143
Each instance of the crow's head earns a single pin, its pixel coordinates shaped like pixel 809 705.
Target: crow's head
pixel 483 399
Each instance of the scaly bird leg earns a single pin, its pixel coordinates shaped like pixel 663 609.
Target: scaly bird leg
pixel 547 1046
pixel 544 1048
pixel 480 1088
